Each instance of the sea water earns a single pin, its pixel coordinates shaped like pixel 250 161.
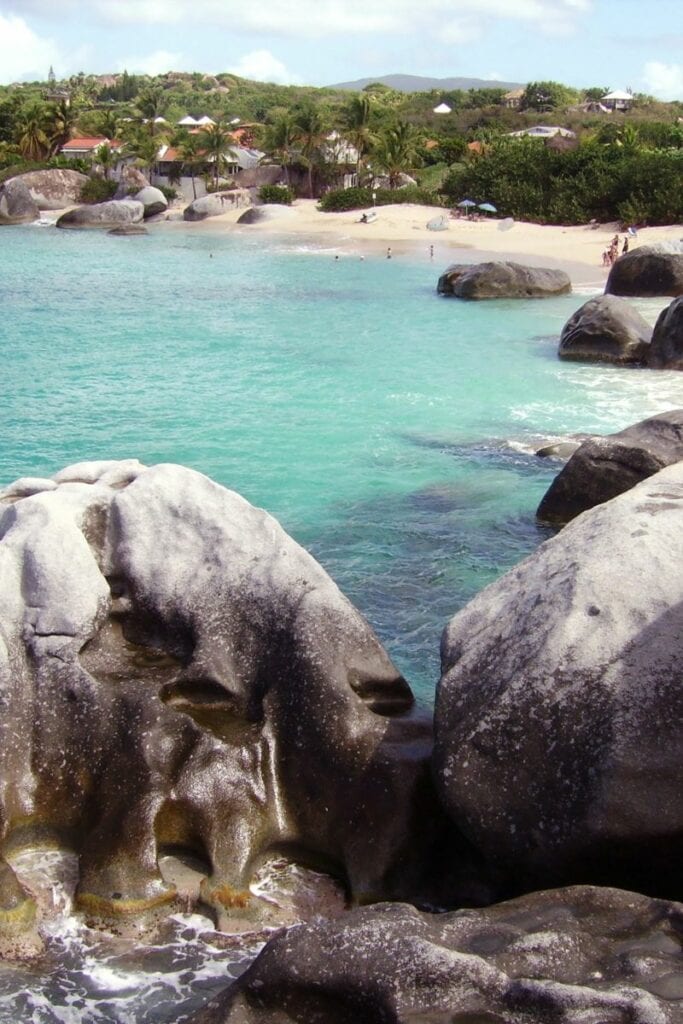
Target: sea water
pixel 391 431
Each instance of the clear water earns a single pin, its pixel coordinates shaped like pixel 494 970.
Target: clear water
pixel 390 431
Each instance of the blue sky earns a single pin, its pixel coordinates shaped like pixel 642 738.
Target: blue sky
pixel 615 43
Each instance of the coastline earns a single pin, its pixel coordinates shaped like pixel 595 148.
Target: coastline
pixel 576 249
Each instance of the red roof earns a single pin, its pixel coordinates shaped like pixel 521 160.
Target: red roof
pixel 91 143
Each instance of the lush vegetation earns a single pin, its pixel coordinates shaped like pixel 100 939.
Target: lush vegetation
pixel 276 194
pixel 622 165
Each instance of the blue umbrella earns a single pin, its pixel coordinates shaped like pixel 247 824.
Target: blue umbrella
pixel 488 207
pixel 467 202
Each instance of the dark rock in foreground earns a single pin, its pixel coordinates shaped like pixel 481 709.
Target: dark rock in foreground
pixel 264 214
pixel 103 215
pixel 604 467
pixel 17 205
pixel 177 672
pixel 605 329
pixel 648 271
pixel 502 280
pixel 559 714
pixel 666 350
pixel 572 956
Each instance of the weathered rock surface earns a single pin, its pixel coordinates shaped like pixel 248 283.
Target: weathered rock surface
pixel 131 180
pixel 559 747
pixel 216 203
pixel 153 200
pixel 606 466
pixel 666 349
pixel 176 672
pixel 647 271
pixel 264 214
pixel 577 956
pixel 128 229
pixel 502 280
pixel 103 215
pixel 605 329
pixel 55 188
pixel 17 206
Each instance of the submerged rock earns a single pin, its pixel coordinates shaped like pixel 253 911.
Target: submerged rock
pixel 578 956
pixel 559 747
pixel 177 673
pixel 605 329
pixel 606 466
pixel 666 350
pixel 103 215
pixel 17 205
pixel 649 270
pixel 502 280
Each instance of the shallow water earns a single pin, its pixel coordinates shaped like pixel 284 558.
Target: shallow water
pixel 390 431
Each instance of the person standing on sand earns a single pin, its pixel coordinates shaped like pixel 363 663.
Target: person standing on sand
pixel 625 249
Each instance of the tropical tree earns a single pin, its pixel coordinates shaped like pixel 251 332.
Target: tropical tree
pixel 311 129
pixel 105 158
pixel 545 96
pixel 279 139
pixel 398 149
pixel 151 104
pixel 108 124
pixel 61 120
pixel 357 120
pixel 218 144
pixel 32 132
pixel 192 153
pixel 144 148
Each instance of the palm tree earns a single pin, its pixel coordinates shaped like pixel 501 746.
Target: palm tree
pixel 311 129
pixel 398 150
pixel 192 152
pixel 216 141
pixel 145 149
pixel 151 104
pixel 62 118
pixel 279 138
pixel 108 124
pixel 31 132
pixel 105 157
pixel 357 127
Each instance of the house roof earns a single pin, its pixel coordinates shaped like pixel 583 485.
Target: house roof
pixel 87 144
pixel 544 131
pixel 616 95
pixel 514 94
pixel 442 108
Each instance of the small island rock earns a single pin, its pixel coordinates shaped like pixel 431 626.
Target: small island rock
pixel 666 349
pixel 502 280
pixel 603 467
pixel 648 271
pixel 111 214
pixel 605 329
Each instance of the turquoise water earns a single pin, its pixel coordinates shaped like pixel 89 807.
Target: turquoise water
pixel 387 429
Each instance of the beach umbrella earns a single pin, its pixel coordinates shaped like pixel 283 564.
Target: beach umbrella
pixel 488 207
pixel 467 203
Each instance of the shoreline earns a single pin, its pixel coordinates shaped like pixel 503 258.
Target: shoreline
pixel 577 249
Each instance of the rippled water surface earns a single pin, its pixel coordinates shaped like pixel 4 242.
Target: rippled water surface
pixel 390 431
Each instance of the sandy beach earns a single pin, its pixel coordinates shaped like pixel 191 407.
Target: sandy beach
pixel 578 250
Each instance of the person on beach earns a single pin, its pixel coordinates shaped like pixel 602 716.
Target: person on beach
pixel 389 252
pixel 625 249
pixel 606 261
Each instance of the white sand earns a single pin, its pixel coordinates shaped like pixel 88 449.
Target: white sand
pixel 578 250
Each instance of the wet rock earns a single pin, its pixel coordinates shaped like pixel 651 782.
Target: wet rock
pixel 176 672
pixel 17 205
pixel 666 350
pixel 649 270
pixel 55 188
pixel 153 200
pixel 129 229
pixel 264 214
pixel 216 203
pixel 606 466
pixel 559 747
pixel 502 280
pixel 111 214
pixel 578 956
pixel 605 329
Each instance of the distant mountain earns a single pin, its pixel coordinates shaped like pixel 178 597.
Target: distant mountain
pixel 415 83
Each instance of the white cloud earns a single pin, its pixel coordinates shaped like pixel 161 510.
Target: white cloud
pixel 665 81
pixel 317 18
pixel 262 66
pixel 23 54
pixel 157 63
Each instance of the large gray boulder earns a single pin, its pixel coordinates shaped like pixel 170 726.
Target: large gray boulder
pixel 666 350
pixel 54 189
pixel 176 672
pixel 649 270
pixel 580 955
pixel 502 280
pixel 606 466
pixel 111 214
pixel 605 329
pixel 17 206
pixel 131 180
pixel 215 204
pixel 265 214
pixel 153 200
pixel 559 713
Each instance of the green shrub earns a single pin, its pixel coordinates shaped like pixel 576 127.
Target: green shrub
pixel 276 194
pixel 168 191
pixel 98 190
pixel 359 198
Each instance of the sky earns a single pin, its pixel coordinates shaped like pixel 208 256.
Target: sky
pixel 618 44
